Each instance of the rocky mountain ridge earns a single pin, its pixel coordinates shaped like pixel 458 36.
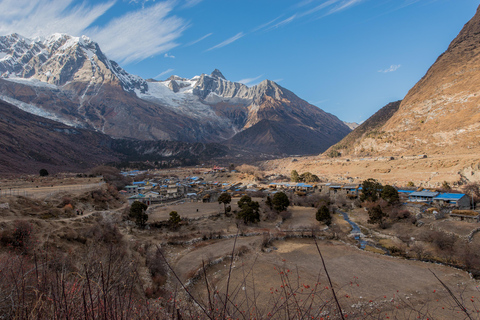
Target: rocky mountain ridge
pixel 70 80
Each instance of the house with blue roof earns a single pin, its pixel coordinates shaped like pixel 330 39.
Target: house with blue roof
pixel 422 196
pixel 458 200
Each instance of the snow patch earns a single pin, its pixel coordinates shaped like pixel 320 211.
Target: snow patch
pixel 30 108
pixel 31 82
pixel 182 102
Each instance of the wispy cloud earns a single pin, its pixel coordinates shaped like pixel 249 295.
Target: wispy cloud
pixel 144 33
pixel 228 41
pixel 250 80
pixel 319 7
pixel 260 27
pixel 198 40
pixel 163 73
pixel 393 68
pixel 283 22
pixel 134 36
pixel 191 3
pixel 32 18
pixel 169 56
pixel 344 5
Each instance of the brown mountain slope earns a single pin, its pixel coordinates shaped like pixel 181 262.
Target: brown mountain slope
pixel 29 143
pixel 441 113
pixel 279 122
pixel 369 128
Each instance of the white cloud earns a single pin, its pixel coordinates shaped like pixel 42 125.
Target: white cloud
pixel 228 41
pixel 344 5
pixel 319 7
pixel 134 36
pixel 198 40
pixel 283 22
pixel 32 18
pixel 141 34
pixel 169 56
pixel 249 80
pixel 163 73
pixel 266 24
pixel 393 68
pixel 191 3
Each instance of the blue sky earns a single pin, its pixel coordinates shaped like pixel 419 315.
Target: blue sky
pixel 348 57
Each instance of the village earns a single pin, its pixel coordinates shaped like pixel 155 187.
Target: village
pixel 207 187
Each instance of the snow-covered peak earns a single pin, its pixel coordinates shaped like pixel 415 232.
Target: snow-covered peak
pixel 217 74
pixel 59 59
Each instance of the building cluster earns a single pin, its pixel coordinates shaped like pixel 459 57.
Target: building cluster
pixel 454 200
pixel 196 188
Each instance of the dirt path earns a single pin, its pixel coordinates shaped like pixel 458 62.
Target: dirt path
pixel 190 260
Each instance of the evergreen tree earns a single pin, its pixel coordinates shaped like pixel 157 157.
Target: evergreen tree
pixel 225 198
pixel 323 215
pixel 280 201
pixel 294 177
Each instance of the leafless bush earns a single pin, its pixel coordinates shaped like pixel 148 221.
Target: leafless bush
pixel 398 214
pixel 20 237
pixel 104 231
pixel 442 240
pixel 287 214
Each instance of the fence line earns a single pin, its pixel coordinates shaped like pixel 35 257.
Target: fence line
pixel 47 192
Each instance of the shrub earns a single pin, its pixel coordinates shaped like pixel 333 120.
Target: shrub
pixel 280 201
pixel 294 177
pixel 174 220
pixel 248 210
pixel 371 190
pixel 376 215
pixel 323 215
pixel 389 194
pixel 225 198
pixel 397 214
pixel 137 212
pixel 43 172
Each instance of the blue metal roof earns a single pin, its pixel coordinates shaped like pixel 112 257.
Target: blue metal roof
pixel 424 194
pixel 449 196
pixel 139 182
pixel 405 191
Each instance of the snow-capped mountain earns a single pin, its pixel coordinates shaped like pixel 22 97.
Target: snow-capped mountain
pixel 60 59
pixel 70 80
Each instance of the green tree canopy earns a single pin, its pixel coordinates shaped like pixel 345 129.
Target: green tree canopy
pixel 371 190
pixel 309 177
pixel 376 215
pixel 174 220
pixel 323 215
pixel 248 209
pixel 137 212
pixel 294 177
pixel 225 198
pixel 390 194
pixel 280 201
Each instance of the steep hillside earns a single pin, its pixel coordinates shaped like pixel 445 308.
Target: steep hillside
pixel 368 129
pixel 29 143
pixel 441 113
